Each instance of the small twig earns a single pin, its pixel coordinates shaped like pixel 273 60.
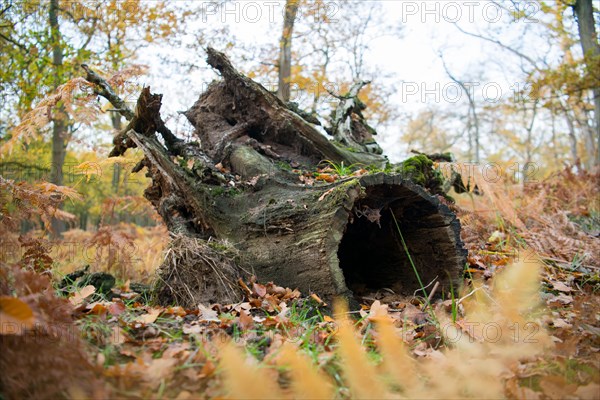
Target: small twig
pixel 435 287
pixel 420 289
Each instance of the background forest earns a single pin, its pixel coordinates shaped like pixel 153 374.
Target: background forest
pixel 510 88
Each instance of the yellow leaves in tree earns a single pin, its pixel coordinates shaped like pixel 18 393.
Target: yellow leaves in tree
pixel 41 199
pixel 91 168
pixel 59 192
pixel 15 316
pixel 41 115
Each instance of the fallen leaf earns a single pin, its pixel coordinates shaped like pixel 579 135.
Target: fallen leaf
pixel 150 317
pixel 80 296
pixel 244 287
pixel 15 316
pixel 326 177
pixel 208 369
pixel 97 308
pixel 129 296
pixel 561 287
pixel 259 289
pixel 208 314
pixel 275 290
pixel 116 308
pixel 159 368
pixel 221 168
pixel 246 321
pixel 118 336
pixel 561 323
pixel 242 306
pixel 189 329
pixel 377 310
pixel 282 316
pixel 176 310
pixel 562 298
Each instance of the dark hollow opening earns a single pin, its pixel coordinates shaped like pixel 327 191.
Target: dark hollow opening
pixel 371 253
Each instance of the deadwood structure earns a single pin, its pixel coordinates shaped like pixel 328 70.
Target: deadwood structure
pixel 236 206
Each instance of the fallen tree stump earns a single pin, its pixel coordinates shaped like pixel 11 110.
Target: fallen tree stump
pixel 239 184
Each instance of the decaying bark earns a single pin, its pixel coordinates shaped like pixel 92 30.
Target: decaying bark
pixel 348 125
pixel 333 239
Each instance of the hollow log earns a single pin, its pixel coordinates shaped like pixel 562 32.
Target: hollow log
pixel 343 238
pixel 244 186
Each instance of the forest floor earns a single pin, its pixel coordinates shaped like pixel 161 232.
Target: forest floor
pixel 525 324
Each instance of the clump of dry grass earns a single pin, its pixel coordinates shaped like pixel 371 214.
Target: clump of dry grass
pixel 198 271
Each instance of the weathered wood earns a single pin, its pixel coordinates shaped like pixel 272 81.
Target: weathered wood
pixel 321 239
pixel 348 126
pixel 331 239
pixel 240 107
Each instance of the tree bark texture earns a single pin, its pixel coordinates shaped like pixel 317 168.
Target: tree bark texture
pixel 285 50
pixel 588 37
pixel 59 119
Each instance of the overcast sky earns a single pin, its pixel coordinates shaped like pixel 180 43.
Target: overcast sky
pixel 412 59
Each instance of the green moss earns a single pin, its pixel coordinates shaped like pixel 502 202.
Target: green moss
pixel 340 194
pixel 416 169
pixel 284 165
pixel 341 145
pixel 222 247
pixel 220 191
pixel 419 169
pixel 217 191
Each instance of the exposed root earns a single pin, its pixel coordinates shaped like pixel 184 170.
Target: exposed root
pixel 191 268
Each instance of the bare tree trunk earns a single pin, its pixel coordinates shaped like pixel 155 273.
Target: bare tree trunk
pixel 473 136
pixel 285 50
pixel 554 142
pixel 529 141
pixel 588 37
pixel 59 118
pixel 116 180
pixel 572 135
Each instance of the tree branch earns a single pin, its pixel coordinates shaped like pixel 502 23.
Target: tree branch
pixel 499 43
pixel 106 91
